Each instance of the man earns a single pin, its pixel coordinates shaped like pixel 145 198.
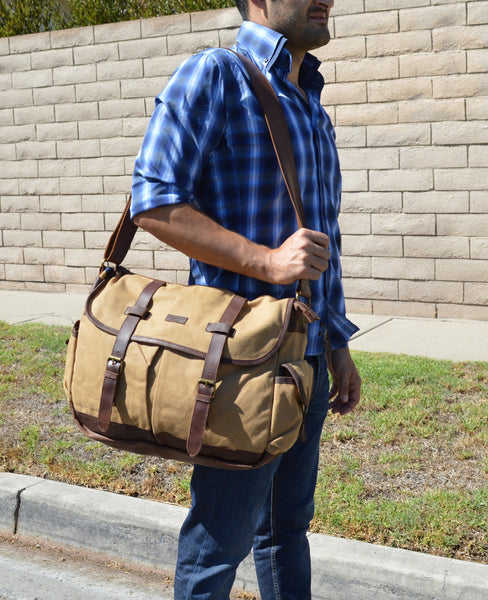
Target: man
pixel 207 183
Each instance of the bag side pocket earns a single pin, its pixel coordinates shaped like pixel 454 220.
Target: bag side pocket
pixel 292 389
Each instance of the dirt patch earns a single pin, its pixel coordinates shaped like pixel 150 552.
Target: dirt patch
pixel 39 438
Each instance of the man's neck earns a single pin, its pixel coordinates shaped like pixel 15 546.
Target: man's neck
pixel 297 57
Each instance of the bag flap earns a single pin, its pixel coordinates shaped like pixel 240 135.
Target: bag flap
pixel 179 316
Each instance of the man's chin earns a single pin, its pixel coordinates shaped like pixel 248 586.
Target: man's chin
pixel 322 36
pixel 323 40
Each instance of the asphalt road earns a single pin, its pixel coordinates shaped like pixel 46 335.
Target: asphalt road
pixel 29 571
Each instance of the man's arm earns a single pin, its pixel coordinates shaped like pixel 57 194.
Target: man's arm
pixel 304 255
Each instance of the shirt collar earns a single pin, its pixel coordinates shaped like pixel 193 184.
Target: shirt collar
pixel 266 48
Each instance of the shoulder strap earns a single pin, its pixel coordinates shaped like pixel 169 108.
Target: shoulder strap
pixel 280 135
pixel 121 239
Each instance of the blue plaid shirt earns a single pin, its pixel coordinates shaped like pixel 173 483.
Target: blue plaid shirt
pixel 207 144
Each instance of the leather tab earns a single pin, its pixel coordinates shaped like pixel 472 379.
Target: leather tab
pixel 310 314
pixel 223 328
pixel 304 289
pixel 138 311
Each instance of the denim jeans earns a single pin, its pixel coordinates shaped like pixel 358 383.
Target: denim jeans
pixel 267 509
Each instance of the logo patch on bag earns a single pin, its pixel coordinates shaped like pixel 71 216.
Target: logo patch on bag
pixel 176 319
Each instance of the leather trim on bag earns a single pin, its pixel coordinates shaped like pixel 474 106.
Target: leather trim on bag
pixel 115 430
pixel 236 460
pixel 298 382
pixel 283 380
pixel 176 319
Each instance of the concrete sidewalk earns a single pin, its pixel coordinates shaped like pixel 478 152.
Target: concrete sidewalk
pixel 38 570
pixel 145 531
pixel 447 339
pixel 435 338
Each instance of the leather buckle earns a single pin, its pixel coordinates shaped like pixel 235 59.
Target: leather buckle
pixel 207 383
pixel 115 361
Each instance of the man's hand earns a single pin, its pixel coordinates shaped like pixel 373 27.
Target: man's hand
pixel 304 255
pixel 346 382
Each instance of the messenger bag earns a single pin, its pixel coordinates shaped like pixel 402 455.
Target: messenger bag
pixel 193 373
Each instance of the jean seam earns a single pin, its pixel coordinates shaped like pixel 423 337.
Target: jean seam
pixel 197 568
pixel 274 571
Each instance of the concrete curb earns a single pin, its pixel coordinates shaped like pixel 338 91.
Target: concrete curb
pixel 147 532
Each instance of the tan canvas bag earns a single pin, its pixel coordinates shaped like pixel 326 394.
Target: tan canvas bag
pixel 192 373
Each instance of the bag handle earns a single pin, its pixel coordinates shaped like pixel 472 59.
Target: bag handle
pixel 121 239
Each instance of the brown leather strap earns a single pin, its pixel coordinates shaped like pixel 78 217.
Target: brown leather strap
pixel 121 238
pixel 280 135
pixel 206 385
pixel 115 361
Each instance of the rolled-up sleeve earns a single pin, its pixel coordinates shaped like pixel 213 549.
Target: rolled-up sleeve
pixel 340 328
pixel 186 125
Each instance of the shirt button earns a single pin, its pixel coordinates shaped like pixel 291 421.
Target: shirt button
pixel 266 61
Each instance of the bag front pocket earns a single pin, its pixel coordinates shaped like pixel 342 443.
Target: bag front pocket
pixel 93 351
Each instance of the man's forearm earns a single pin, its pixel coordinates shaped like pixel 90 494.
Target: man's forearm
pixel 182 226
pixel 195 234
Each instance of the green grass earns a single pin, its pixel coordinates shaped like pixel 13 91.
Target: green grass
pixel 19 17
pixel 409 468
pixel 31 360
pixel 30 435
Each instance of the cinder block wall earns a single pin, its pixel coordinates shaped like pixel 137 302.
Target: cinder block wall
pixel 407 87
